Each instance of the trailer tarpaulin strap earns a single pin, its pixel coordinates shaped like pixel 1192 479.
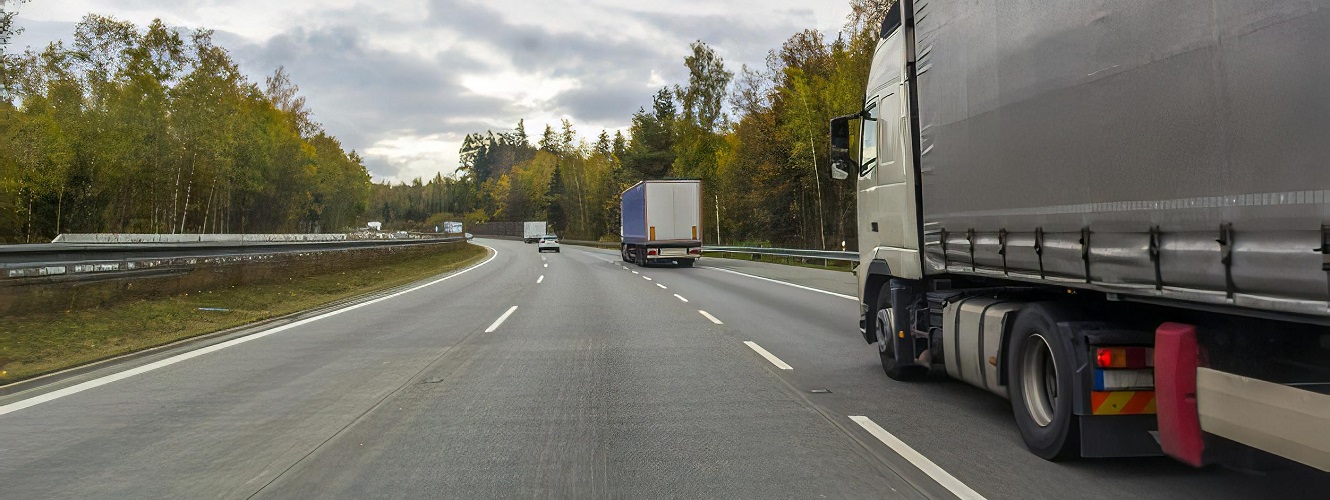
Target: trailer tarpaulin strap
pixel 969 236
pixel 1155 244
pixel 1226 257
pixel 1085 252
pixel 1039 249
pixel 1325 253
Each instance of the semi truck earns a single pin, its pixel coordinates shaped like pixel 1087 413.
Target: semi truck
pixel 662 222
pixel 1114 214
pixel 533 231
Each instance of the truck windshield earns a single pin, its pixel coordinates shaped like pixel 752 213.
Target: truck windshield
pixel 868 141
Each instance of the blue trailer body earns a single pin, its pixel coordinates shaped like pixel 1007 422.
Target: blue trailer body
pixel 634 209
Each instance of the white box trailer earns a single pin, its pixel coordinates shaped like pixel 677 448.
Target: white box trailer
pixel 533 230
pixel 662 221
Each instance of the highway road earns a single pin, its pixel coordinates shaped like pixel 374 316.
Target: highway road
pixel 563 375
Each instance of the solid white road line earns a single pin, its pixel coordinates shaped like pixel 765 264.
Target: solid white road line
pixel 497 322
pixel 811 289
pixel 98 382
pixel 662 287
pixel 770 357
pixel 923 463
pixel 540 279
pixel 680 297
pixel 710 317
pixel 646 278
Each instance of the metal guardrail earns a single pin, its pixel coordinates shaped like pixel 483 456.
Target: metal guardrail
pixel 787 252
pixel 778 252
pixel 597 244
pixel 90 259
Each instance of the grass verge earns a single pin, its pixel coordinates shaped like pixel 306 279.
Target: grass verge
pixel 36 344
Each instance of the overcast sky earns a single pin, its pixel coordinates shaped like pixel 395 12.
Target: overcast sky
pixel 403 81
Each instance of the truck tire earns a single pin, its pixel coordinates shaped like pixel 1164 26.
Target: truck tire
pixel 1040 372
pixel 886 343
pixel 623 253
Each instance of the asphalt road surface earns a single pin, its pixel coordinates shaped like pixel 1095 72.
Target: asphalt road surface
pixel 565 375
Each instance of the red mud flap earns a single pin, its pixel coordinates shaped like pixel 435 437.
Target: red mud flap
pixel 1176 358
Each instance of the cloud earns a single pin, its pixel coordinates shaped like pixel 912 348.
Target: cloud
pixel 403 81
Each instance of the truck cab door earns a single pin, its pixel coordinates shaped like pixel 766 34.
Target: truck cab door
pixel 888 213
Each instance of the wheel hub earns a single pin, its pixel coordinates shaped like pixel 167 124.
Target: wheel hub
pixel 1039 380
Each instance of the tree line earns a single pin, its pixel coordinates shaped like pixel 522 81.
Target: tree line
pixel 148 129
pixel 756 137
pixel 151 130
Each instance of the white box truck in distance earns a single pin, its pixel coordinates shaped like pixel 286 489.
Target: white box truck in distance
pixel 662 222
pixel 1117 216
pixel 532 231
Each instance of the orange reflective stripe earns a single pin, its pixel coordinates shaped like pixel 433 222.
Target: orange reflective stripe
pixel 1138 401
pixel 1097 399
pixel 1122 402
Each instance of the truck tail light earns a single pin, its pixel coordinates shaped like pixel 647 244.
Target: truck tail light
pixel 1131 358
pixel 695 251
pixel 652 252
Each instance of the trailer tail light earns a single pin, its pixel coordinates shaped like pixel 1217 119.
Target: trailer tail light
pixel 695 251
pixel 1132 358
pixel 652 252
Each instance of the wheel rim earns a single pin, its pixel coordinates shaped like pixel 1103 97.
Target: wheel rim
pixel 1039 380
pixel 884 322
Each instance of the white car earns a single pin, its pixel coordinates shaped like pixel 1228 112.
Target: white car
pixel 548 242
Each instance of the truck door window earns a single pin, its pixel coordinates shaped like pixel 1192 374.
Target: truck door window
pixel 868 141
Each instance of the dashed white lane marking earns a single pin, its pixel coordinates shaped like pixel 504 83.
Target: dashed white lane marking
pixel 923 463
pixel 497 322
pixel 710 317
pixel 646 278
pixel 635 272
pixel 662 287
pixel 770 357
pixel 547 264
pixel 98 382
pixel 680 297
pixel 540 279
pixel 809 288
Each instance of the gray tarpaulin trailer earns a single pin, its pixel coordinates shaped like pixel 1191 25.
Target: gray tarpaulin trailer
pixel 1178 149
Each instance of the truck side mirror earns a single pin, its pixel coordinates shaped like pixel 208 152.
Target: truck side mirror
pixel 843 148
pixel 838 171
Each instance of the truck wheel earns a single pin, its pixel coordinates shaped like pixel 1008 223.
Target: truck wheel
pixel 886 344
pixel 1040 372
